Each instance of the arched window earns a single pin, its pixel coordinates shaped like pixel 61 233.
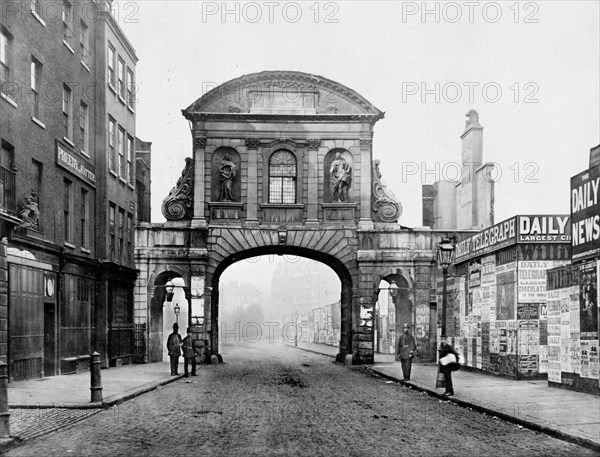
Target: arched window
pixel 282 177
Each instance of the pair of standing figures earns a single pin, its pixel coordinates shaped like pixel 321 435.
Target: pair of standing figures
pixel 406 351
pixel 187 345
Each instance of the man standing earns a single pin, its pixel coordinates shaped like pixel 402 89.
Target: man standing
pixel 405 351
pixel 174 348
pixel 189 353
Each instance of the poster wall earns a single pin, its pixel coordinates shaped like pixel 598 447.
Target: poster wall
pixel 572 348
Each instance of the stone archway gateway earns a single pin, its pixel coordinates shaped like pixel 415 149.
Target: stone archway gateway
pixel 282 163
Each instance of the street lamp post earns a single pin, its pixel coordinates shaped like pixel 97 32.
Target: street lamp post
pixel 177 309
pixel 445 256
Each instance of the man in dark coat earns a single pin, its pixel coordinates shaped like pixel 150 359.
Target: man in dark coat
pixel 190 350
pixel 406 351
pixel 174 348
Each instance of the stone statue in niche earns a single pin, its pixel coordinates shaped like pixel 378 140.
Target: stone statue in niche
pixel 340 178
pixel 30 212
pixel 227 176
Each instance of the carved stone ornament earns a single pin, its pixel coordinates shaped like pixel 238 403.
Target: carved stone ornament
pixel 472 119
pixel 29 212
pixel 313 143
pixel 252 143
pixel 200 142
pixel 366 142
pixel 179 204
pixel 385 206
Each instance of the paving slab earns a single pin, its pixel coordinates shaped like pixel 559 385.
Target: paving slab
pixel 73 391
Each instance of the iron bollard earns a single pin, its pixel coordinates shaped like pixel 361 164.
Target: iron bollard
pixel 4 414
pixel 96 382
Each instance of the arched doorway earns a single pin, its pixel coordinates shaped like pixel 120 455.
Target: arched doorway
pixel 341 270
pixel 392 310
pixel 165 311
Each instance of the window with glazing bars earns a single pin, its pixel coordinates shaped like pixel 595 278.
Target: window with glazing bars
pixel 282 177
pixel 67 17
pixel 5 58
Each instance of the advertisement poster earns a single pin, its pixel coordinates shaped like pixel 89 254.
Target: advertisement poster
pixel 505 291
pixel 543 332
pixel 543 311
pixel 529 338
pixel 528 363
pixel 528 311
pixel 508 338
pixel 495 338
pixel 554 372
pixel 553 318
pixel 485 302
pixel 461 282
pixel 589 359
pixel 532 280
pixel 588 301
pixel 565 346
pixel 543 360
pixel 477 302
pixel 574 349
pixel 479 356
pixel 474 274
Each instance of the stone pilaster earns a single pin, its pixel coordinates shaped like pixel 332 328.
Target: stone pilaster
pixel 252 144
pixel 313 145
pixel 199 219
pixel 365 222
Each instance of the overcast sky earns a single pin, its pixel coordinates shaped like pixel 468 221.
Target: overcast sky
pixel 542 56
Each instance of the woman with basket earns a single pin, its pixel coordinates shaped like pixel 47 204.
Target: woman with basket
pixel 448 362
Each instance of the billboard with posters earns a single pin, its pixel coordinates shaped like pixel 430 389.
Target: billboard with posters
pixel 585 214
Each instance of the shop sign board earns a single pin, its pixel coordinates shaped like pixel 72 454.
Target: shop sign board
pixel 585 214
pixel 543 228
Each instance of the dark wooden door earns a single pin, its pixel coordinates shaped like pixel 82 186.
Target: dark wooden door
pixel 49 339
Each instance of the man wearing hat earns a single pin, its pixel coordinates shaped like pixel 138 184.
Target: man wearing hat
pixel 174 347
pixel 406 350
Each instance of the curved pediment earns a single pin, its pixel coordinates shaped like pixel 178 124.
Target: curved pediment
pixel 283 93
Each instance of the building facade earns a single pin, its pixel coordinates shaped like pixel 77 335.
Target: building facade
pixel 54 184
pixel 116 202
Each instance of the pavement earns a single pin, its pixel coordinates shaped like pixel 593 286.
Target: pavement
pixel 40 406
pixel 567 415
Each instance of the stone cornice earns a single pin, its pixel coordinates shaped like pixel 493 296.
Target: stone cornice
pixel 249 117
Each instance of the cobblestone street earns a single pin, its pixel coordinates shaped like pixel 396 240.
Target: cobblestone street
pixel 269 399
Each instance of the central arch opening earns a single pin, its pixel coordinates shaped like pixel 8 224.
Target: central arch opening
pixel 281 295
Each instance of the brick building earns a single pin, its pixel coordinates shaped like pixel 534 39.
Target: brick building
pixel 67 195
